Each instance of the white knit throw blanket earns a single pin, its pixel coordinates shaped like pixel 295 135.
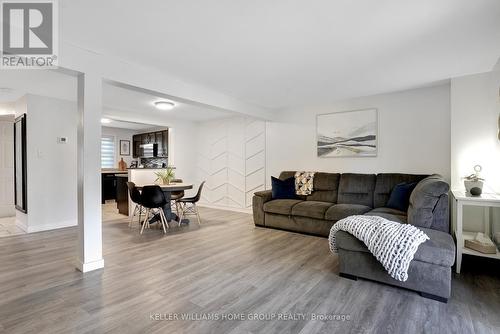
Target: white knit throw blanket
pixel 393 244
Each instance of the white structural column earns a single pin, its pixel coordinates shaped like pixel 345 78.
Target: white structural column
pixel 89 177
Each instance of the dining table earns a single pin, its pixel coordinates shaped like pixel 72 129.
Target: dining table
pixel 167 191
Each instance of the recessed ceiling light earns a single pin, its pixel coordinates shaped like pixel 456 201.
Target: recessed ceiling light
pixel 105 120
pixel 164 105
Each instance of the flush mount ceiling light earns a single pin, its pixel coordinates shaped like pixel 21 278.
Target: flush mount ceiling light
pixel 105 121
pixel 164 105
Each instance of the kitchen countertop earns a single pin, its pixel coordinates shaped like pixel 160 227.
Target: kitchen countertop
pixel 114 171
pixel 147 168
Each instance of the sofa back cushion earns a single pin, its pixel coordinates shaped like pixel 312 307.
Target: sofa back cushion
pixel 325 186
pixel 356 189
pixel 385 184
pixel 424 201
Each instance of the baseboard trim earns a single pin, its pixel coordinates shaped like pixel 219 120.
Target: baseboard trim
pixel 222 207
pixel 22 225
pixel 90 266
pixel 49 227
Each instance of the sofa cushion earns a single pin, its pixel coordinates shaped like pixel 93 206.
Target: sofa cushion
pixel 281 206
pixel 389 214
pixel 424 198
pixel 356 189
pixel 341 211
pixel 312 209
pixel 439 250
pixel 325 186
pixel 385 184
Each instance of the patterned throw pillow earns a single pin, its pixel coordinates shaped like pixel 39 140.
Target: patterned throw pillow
pixel 304 183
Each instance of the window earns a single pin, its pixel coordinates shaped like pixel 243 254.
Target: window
pixel 107 152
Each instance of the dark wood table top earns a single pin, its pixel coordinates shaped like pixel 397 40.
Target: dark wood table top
pixel 169 187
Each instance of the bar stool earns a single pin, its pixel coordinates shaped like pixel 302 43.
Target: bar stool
pixel 152 198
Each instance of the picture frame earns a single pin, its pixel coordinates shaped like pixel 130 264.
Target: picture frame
pixel 352 133
pixel 125 147
pixel 20 168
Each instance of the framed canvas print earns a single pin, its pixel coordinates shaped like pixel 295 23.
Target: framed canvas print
pixel 347 134
pixel 124 147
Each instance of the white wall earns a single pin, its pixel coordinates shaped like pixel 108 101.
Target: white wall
pixel 7 165
pixel 182 151
pixel 475 110
pixel 51 167
pixel 414 135
pixel 121 134
pixel 231 158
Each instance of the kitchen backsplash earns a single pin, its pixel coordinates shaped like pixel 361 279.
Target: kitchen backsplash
pixel 154 162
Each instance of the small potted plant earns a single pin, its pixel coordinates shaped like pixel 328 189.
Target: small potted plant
pixel 165 176
pixel 474 183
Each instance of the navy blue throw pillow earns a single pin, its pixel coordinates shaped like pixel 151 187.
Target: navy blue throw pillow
pixel 283 189
pixel 400 196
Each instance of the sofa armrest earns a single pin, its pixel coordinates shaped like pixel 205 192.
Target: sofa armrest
pixel 258 200
pixel 429 204
pixel 266 195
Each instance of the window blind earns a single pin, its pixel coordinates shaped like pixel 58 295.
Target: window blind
pixel 107 152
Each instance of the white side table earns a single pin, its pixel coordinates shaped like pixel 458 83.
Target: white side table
pixel 460 199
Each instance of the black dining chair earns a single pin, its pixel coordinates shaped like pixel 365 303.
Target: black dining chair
pixel 188 205
pixel 152 198
pixel 176 195
pixel 135 196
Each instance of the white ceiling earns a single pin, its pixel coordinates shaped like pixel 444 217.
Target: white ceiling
pixel 125 104
pixel 15 84
pixel 294 52
pixel 119 102
pixel 128 125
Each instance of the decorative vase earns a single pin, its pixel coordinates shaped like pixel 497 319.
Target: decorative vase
pixel 473 184
pixel 122 165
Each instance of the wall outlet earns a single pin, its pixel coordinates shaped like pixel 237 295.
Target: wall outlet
pixel 62 140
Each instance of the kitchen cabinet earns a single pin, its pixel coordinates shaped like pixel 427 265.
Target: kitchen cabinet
pixel 160 138
pixel 122 194
pixel 136 146
pixel 108 187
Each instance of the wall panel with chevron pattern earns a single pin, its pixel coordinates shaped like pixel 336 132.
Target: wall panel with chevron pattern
pixel 232 159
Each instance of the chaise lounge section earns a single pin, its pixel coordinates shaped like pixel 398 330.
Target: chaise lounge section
pixel 337 196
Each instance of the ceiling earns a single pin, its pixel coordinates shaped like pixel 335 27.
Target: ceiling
pixel 284 53
pixel 15 84
pixel 128 125
pixel 119 103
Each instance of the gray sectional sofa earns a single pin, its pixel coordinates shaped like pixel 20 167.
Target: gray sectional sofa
pixel 337 196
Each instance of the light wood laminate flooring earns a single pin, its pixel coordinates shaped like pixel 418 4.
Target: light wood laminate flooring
pixel 229 269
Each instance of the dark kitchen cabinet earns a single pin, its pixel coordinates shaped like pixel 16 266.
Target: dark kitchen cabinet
pixel 122 194
pixel 159 137
pixel 136 148
pixel 108 187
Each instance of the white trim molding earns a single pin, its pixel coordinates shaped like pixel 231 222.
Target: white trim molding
pixel 90 266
